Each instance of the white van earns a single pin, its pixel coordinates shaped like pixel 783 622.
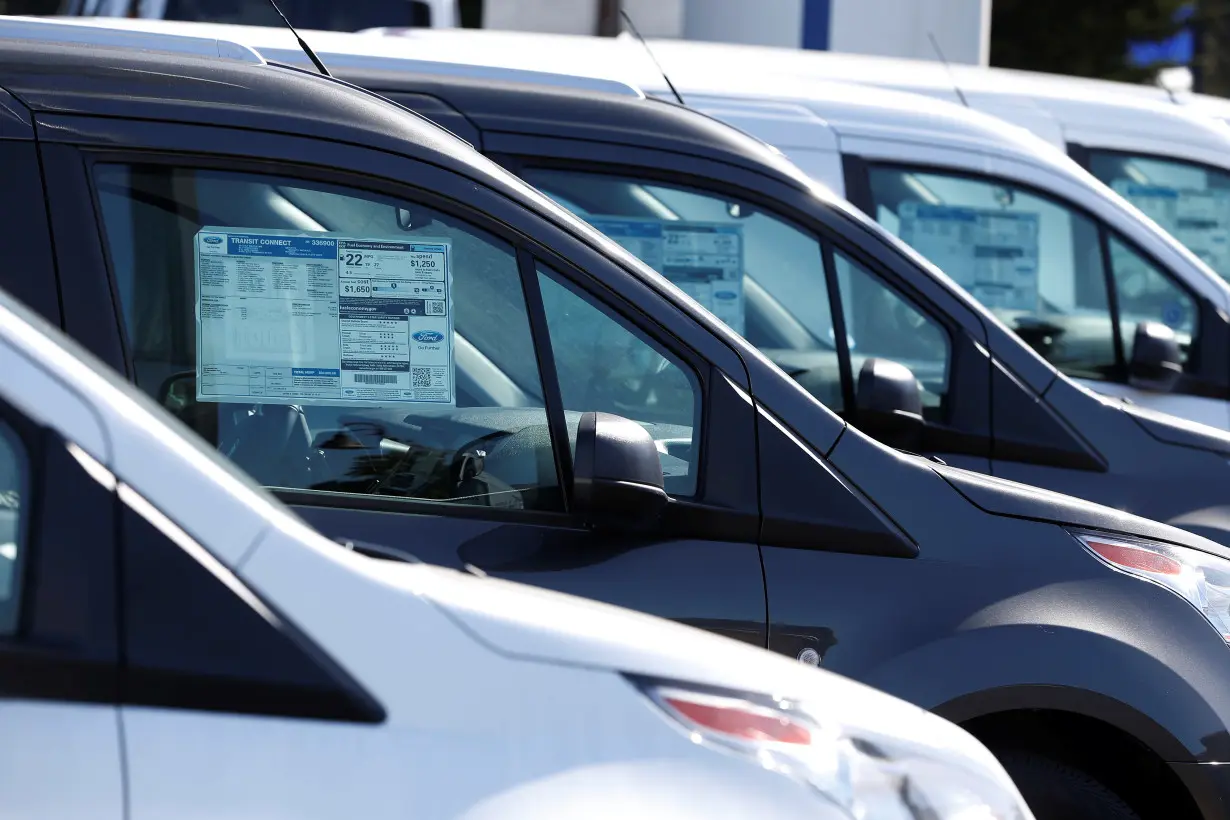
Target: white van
pixel 1086 251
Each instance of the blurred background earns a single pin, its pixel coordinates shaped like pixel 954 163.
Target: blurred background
pixel 1176 43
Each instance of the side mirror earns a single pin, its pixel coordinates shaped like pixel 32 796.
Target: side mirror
pixel 1157 362
pixel 617 474
pixel 889 403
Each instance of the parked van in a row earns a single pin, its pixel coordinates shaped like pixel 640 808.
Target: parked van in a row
pixel 519 394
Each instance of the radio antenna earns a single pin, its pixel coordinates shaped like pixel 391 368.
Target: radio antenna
pixel 635 33
pixel 302 44
pixel 951 77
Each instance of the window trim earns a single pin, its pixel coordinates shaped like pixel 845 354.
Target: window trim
pixel 1112 296
pixel 593 287
pixel 544 353
pixel 845 364
pixel 866 203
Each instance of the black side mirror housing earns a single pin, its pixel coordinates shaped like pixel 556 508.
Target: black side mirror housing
pixel 889 404
pixel 1157 362
pixel 617 473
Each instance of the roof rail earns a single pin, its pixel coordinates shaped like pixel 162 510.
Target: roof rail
pixel 65 31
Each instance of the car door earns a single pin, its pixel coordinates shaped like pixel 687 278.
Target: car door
pixel 455 441
pixel 59 676
pixel 1071 286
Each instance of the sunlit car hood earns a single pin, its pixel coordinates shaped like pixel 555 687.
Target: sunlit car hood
pixel 545 626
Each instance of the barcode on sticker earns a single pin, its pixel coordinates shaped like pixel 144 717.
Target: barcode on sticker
pixel 435 307
pixel 421 376
pixel 375 378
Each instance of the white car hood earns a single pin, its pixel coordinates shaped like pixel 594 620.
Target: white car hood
pixel 540 625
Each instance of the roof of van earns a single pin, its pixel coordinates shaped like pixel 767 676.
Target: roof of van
pixel 848 108
pixel 1068 103
pixel 86 79
pixel 1074 103
pixel 278 44
pixel 492 100
pixel 1053 106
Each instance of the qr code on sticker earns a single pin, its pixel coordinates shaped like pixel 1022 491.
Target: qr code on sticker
pixel 420 376
pixel 435 307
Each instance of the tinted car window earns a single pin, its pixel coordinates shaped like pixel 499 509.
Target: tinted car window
pixel 1191 201
pixel 437 414
pixel 1036 263
pixel 775 270
pixel 880 323
pixel 765 279
pixel 605 365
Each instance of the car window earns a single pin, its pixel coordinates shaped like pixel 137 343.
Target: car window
pixel 880 323
pixel 331 339
pixel 14 513
pixel 1145 294
pixel 1191 201
pixel 759 273
pixel 605 365
pixel 1033 261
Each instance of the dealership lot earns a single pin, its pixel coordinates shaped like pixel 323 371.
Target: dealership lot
pixel 402 411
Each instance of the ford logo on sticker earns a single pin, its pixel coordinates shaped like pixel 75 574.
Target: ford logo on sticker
pixel 428 336
pixel 212 240
pixel 725 294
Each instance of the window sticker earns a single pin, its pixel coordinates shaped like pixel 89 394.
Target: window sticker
pixel 286 317
pixel 991 253
pixel 1200 219
pixel 704 259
